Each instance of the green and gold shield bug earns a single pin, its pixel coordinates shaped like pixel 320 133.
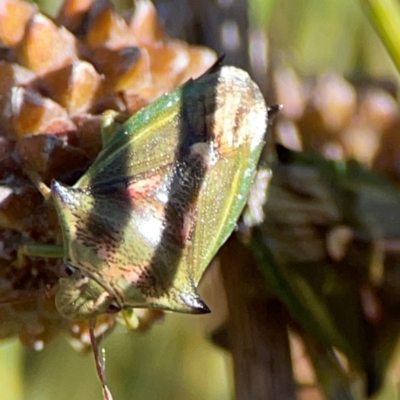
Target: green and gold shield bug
pixel 142 224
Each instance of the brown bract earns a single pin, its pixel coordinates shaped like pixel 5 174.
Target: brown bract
pixel 341 120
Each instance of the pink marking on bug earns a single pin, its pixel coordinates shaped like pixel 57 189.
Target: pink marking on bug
pixel 142 188
pixel 134 275
pixel 103 252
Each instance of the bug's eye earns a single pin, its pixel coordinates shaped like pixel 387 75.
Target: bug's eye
pixel 113 308
pixel 66 270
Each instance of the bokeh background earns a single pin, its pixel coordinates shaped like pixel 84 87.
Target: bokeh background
pixel 175 359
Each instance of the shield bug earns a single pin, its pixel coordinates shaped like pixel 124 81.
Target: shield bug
pixel 142 224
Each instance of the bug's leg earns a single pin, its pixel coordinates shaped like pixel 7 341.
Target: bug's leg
pixel 40 185
pixel 38 250
pixel 43 250
pixel 111 120
pixel 129 319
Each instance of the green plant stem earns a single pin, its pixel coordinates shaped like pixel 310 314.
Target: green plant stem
pixel 331 376
pixel 384 16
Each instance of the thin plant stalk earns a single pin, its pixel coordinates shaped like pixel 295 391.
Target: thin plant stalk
pixel 384 16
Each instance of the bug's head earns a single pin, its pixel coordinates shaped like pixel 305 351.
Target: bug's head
pixel 79 297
